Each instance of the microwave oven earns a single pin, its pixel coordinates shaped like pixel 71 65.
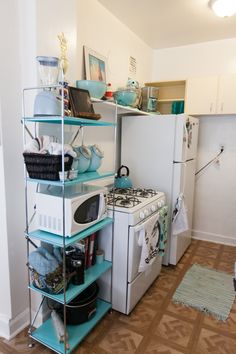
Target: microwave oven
pixel 83 207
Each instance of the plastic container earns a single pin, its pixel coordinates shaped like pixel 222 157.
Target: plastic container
pixel 48 69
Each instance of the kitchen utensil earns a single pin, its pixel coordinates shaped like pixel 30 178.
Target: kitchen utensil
pixel 96 89
pixel 96 158
pixel 82 161
pixel 125 97
pixel 123 180
pixel 47 102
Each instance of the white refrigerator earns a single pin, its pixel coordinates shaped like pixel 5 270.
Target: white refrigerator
pixel 160 152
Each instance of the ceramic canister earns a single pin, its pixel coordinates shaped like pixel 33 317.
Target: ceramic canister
pixel 96 158
pixel 82 161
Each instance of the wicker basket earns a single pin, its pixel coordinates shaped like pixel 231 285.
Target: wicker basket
pixel 46 166
pixel 52 283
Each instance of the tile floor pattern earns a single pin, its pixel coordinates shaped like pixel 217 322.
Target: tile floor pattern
pixel 156 325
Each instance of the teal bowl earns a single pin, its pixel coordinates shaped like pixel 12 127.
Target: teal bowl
pixel 96 89
pixel 125 97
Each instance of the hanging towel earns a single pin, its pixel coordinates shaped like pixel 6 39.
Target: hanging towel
pixel 149 241
pixel 40 144
pixel 180 218
pixel 164 230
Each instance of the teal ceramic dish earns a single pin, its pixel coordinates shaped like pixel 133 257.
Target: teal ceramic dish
pixel 125 97
pixel 96 89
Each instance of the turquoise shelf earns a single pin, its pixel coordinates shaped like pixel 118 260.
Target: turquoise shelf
pixel 69 121
pixel 45 334
pixel 91 274
pixel 58 240
pixel 83 177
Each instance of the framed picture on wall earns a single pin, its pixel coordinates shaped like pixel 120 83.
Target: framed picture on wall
pixel 95 65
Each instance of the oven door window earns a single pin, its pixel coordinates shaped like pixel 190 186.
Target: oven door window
pixel 88 210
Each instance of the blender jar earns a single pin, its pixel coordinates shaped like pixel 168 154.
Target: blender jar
pixel 48 102
pixel 48 70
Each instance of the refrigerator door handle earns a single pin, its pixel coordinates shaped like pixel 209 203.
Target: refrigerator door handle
pixel 183 161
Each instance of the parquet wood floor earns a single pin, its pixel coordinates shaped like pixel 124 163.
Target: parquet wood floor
pixel 156 325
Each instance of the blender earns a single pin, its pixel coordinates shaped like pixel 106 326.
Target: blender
pixel 47 102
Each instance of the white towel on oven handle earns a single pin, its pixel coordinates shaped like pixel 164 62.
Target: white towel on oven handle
pixel 149 240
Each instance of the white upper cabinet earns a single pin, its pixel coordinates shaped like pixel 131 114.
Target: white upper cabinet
pixel 226 103
pixel 211 95
pixel 201 95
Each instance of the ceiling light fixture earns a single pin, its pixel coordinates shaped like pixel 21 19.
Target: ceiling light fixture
pixel 223 8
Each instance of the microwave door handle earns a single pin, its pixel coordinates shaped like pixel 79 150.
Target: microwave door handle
pixel 102 205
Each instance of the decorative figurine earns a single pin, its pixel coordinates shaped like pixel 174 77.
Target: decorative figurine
pixel 63 58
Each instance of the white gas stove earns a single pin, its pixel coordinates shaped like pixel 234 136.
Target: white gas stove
pixel 139 203
pixel 136 212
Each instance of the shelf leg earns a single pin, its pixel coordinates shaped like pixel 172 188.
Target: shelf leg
pixel 31 344
pixel 35 316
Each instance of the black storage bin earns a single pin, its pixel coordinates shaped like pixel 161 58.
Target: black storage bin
pixel 83 307
pixel 41 166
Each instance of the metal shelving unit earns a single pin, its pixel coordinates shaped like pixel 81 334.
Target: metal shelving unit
pixel 45 334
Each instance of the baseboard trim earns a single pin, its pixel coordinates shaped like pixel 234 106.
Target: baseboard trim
pixel 18 323
pixel 211 237
pixel 4 327
pixel 9 328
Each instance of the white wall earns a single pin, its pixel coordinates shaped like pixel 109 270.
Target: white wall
pixel 214 207
pixel 13 290
pixel 203 59
pixel 101 31
pixel 33 30
pixel 87 22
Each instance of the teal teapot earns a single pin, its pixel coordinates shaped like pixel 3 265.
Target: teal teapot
pixel 122 180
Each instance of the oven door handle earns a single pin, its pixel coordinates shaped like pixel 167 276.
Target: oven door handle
pixel 142 225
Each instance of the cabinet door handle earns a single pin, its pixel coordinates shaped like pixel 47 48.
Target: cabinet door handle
pixel 222 107
pixel 211 106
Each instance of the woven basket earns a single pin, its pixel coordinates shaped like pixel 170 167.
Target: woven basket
pixel 47 167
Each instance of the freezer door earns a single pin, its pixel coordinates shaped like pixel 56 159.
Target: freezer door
pixel 147 148
pixel 186 138
pixel 183 182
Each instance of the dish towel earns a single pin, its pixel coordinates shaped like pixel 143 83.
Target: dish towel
pixel 149 241
pixel 180 218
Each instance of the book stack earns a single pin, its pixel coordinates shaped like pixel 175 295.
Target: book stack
pixel 88 246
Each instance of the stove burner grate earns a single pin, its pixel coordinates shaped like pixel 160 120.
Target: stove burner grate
pixel 123 201
pixel 138 192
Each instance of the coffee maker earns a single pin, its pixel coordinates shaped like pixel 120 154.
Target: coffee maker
pixel 48 102
pixel 149 98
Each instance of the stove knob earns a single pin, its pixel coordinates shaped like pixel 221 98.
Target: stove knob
pixel 146 212
pixel 153 208
pixel 159 204
pixel 141 215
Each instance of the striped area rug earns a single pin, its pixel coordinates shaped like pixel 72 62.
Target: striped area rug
pixel 207 290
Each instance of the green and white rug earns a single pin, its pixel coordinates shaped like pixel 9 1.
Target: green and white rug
pixel 207 290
